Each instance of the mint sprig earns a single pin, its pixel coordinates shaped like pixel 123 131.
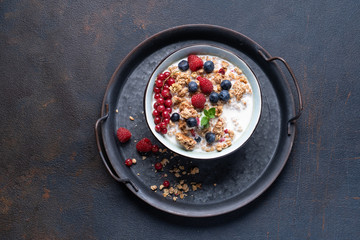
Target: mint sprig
pixel 208 115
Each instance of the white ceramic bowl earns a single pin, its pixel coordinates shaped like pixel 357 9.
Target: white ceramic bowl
pixel 204 50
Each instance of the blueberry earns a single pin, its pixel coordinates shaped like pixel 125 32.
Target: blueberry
pixel 191 122
pixel 198 139
pixel 209 66
pixel 210 137
pixel 175 117
pixel 214 97
pixel 225 85
pixel 224 95
pixel 192 86
pixel 183 65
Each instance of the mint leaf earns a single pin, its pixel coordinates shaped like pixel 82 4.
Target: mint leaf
pixel 211 113
pixel 204 121
pixel 206 112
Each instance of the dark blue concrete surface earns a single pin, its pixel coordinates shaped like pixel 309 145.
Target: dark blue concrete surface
pixel 56 58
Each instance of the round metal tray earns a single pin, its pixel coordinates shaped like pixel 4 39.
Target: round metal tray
pixel 228 183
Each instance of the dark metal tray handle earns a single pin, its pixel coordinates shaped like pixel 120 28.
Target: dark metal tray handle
pixel 293 119
pixel 102 153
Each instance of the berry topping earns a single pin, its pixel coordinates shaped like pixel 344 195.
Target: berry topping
pixel 160 108
pixel 155 148
pixel 192 86
pixel 168 109
pixel 221 71
pixel 158 128
pixel 161 77
pixel 168 103
pixel 164 131
pixel 166 120
pixel 157 120
pixel 128 162
pixel 210 137
pixel 193 132
pixel 166 74
pixel 225 85
pixel 170 81
pixel 157 89
pixel 158 166
pixel 144 145
pixel 160 101
pixel 163 125
pixel 166 93
pixel 165 114
pixel 209 66
pixel 205 85
pixel 123 135
pixel 191 122
pixel 198 100
pixel 198 139
pixel 156 105
pixel 224 95
pixel 158 83
pixel 195 63
pixel 175 117
pixel 157 95
pixel 166 183
pixel 214 97
pixel 183 65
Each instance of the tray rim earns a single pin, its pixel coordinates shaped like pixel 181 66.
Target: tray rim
pixel 285 153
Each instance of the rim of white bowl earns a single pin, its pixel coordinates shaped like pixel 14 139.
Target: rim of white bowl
pixel 205 49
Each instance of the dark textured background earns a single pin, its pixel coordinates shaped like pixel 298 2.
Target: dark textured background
pixel 56 58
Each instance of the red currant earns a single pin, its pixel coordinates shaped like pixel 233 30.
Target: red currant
pixel 164 131
pixel 168 109
pixel 156 105
pixel 128 162
pixel 221 71
pixel 158 83
pixel 166 86
pixel 165 114
pixel 163 125
pixel 160 108
pixel 168 102
pixel 157 128
pixel 170 81
pixel 161 77
pixel 157 89
pixel 226 131
pixel 166 74
pixel 166 183
pixel 160 101
pixel 165 93
pixel 158 166
pixel 157 120
pixel 155 148
pixel 157 95
pixel 156 113
pixel 166 120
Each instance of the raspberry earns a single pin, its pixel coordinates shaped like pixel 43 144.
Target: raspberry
pixel 144 145
pixel 198 100
pixel 205 85
pixel 195 63
pixel 123 135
